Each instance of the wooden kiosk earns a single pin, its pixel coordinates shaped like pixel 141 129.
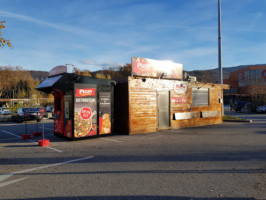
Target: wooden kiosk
pixel 156 97
pixel 83 106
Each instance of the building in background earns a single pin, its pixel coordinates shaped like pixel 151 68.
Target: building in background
pixel 248 83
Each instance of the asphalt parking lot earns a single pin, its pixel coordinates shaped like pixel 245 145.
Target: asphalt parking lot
pixel 226 161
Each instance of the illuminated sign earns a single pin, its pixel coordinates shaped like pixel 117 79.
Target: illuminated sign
pixel 155 68
pixel 85 92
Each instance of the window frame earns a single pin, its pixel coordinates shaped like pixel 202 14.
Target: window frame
pixel 200 95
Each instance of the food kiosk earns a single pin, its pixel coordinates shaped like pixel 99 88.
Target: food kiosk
pixel 83 106
pixel 158 97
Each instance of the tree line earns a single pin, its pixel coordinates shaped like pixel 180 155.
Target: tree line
pixel 17 83
pixel 107 73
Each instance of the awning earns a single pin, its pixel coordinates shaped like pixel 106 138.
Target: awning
pixel 48 83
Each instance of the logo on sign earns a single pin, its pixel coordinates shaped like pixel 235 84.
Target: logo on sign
pixel 180 88
pixel 263 73
pixel 85 113
pixel 179 100
pixel 243 75
pixel 85 92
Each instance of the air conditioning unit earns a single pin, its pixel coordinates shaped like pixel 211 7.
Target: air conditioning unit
pixel 192 79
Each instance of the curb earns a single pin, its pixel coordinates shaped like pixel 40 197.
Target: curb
pixel 244 120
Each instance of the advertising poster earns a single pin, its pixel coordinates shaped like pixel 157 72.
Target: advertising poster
pixel 156 68
pixel 85 110
pixel 179 100
pixel 58 125
pixel 105 113
pixel 243 78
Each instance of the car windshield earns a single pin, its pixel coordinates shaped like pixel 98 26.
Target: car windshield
pixel 30 110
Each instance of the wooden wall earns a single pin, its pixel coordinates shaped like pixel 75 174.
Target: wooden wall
pixel 215 93
pixel 143 108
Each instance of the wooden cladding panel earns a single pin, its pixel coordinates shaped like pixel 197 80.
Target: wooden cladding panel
pixel 143 125
pixel 142 109
pixel 176 124
pixel 181 107
pixel 215 94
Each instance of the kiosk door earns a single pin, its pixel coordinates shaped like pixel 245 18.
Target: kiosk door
pixel 58 112
pixel 163 109
pixel 68 115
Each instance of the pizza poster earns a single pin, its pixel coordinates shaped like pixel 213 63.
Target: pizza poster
pixel 85 110
pixel 104 113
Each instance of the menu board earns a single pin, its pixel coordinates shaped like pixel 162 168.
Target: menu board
pixel 85 110
pixel 105 113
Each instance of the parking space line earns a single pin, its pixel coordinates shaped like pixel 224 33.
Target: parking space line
pixel 6 176
pixel 31 141
pixel 8 139
pixel 47 128
pixel 11 134
pixel 111 140
pixel 55 149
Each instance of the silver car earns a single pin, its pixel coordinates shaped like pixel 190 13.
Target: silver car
pixel 261 109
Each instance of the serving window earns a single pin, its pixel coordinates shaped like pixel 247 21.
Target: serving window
pixel 200 96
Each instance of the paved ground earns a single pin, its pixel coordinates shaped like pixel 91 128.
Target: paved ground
pixel 225 161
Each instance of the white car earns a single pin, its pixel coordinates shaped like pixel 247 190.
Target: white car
pixel 261 109
pixel 5 111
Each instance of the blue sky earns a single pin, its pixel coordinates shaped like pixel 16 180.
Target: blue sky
pixel 95 34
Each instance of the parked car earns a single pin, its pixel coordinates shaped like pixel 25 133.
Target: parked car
pixel 24 114
pixel 239 105
pixel 49 108
pixel 5 111
pixel 42 111
pixel 261 109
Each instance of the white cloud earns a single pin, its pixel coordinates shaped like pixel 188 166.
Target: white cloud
pixel 58 26
pixel 99 65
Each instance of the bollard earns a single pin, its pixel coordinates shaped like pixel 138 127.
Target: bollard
pixel 43 142
pixel 37 133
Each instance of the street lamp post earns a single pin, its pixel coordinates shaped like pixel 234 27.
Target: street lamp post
pixel 220 81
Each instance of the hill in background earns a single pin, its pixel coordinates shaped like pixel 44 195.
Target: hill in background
pixel 211 75
pixel 39 75
pixel 207 76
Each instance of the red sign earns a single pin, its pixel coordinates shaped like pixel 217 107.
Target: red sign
pixel 143 67
pixel 85 92
pixel 179 100
pixel 85 113
pixel 263 73
pixel 243 75
pixel 58 128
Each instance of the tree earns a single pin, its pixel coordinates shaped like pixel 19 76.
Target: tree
pixel 83 73
pixel 100 76
pixel 16 83
pixel 4 41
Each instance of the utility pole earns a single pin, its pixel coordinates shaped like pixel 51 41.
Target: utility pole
pixel 220 81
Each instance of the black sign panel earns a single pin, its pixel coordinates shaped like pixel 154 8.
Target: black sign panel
pixel 104 113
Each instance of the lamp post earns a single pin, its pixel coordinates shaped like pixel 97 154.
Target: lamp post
pixel 220 81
